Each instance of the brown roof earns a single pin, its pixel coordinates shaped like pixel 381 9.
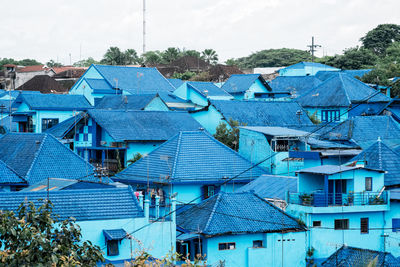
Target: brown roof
pixel 44 84
pixel 70 73
pixel 65 68
pixel 190 63
pixel 223 71
pixel 33 68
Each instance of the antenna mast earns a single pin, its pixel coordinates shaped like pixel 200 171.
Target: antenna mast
pixel 144 26
pixel 312 48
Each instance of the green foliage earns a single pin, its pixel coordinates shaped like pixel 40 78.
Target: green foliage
pixel 381 37
pixel 210 56
pixel 231 62
pixel 202 77
pixel 170 55
pixel 114 56
pixel 352 59
pixel 192 53
pixel 85 62
pixel 313 117
pixel 135 158
pixel 152 57
pixel 52 64
pixel 228 135
pixel 23 62
pixel 187 75
pixel 273 58
pixel 35 237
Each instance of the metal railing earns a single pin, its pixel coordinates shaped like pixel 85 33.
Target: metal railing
pixel 322 199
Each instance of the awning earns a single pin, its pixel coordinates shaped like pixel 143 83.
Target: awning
pixel 186 236
pixel 114 234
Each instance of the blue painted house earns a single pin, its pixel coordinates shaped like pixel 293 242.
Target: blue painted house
pixel 252 113
pixel 241 229
pixel 132 102
pixel 106 218
pixel 340 97
pixel 192 164
pixel 247 86
pixel 341 204
pixel 37 112
pixel 199 92
pixel 102 80
pixel 294 86
pixel 305 69
pixel 37 157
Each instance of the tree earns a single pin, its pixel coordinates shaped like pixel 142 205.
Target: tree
pixel 35 237
pixel 53 64
pixel 273 58
pixel 228 136
pixel 85 62
pixel 152 57
pixel 135 158
pixel 231 62
pixel 210 56
pixel 187 75
pixel 191 53
pixel 113 56
pixel 381 37
pixel 23 62
pixel 170 54
pixel 352 59
pixel 131 57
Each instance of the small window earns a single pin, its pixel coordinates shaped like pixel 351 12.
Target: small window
pixel 226 246
pixel 364 225
pixel 368 183
pixel 316 224
pixel 341 224
pixel 209 191
pixel 396 225
pixel 112 248
pixel 258 244
pixel 48 123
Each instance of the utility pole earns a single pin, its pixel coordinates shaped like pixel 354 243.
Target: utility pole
pixel 144 26
pixel 313 48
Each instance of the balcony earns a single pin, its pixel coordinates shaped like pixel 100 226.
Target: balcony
pixel 335 202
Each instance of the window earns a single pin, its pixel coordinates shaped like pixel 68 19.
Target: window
pixel 364 225
pixel 209 191
pixel 368 183
pixel 396 225
pixel 226 246
pixel 341 224
pixel 330 115
pixel 48 123
pixel 316 223
pixel 258 244
pixel 112 248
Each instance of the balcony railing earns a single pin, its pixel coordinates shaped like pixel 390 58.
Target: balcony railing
pixel 321 199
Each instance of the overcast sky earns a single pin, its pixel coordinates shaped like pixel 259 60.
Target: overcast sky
pixel 44 29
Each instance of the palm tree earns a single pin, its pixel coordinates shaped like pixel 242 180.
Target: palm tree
pixel 210 56
pixel 170 54
pixel 113 56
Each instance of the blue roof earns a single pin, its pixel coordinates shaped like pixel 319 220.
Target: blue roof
pixel 9 176
pixel 271 186
pixel 176 82
pixel 236 213
pixel 323 75
pixel 143 125
pixel 135 80
pixel 56 184
pixel 83 205
pixel 114 234
pixel 98 84
pixel 61 129
pixel 303 64
pixel 333 169
pixel 365 130
pixel 171 98
pixel 382 157
pixel 207 89
pixel 36 157
pixel 357 73
pixel 263 113
pixel 351 256
pixel 296 85
pixel 340 90
pixel 123 102
pixel 190 157
pixel 239 83
pixel 54 101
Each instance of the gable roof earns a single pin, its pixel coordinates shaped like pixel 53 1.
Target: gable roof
pixel 83 205
pixel 340 90
pixel 263 113
pixel 175 82
pixel 44 84
pixel 380 156
pixel 124 102
pixel 35 157
pixel 61 129
pixel 143 125
pixel 351 256
pixel 271 186
pixel 207 89
pixel 135 80
pixel 190 157
pixel 54 101
pixel 9 176
pixel 364 130
pixel 296 85
pixel 304 64
pixel 34 68
pixel 98 84
pixel 236 213
pixel 239 83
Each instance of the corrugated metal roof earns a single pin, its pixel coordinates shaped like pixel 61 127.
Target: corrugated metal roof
pixel 239 83
pixel 55 101
pixel 296 85
pixel 332 169
pixel 235 213
pixel 276 131
pixel 124 102
pixel 207 89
